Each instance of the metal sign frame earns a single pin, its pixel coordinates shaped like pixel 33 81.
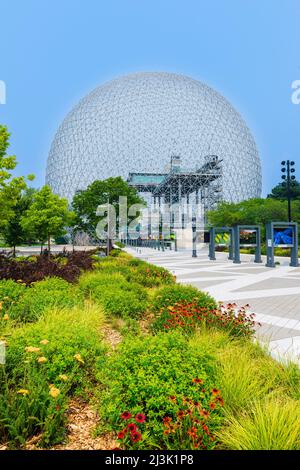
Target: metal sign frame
pixel 212 244
pixel 270 242
pixel 237 254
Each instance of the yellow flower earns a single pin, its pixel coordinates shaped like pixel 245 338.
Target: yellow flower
pixel 44 341
pixel 79 358
pixel 20 280
pixel 5 317
pixel 63 377
pixel 32 349
pixel 42 359
pixel 54 392
pixel 23 391
pixel 1 305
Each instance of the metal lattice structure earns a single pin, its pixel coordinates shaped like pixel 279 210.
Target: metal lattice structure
pixel 134 124
pixel 205 183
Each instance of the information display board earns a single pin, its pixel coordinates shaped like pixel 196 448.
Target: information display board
pixel 247 236
pixel 282 235
pixel 222 239
pixel 220 236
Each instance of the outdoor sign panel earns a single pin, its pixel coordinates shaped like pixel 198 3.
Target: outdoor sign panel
pixel 248 238
pixel 283 237
pixel 222 239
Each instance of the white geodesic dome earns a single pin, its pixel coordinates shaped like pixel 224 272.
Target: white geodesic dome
pixel 137 122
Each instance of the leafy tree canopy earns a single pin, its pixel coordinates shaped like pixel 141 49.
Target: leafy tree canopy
pixel 85 202
pixel 47 216
pixel 280 192
pixel 10 187
pixel 253 211
pixel 14 233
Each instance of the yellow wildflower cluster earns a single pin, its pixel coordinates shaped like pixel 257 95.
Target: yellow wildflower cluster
pixel 79 358
pixel 32 349
pixel 53 392
pixel 63 377
pixel 23 391
pixel 42 359
pixel 44 341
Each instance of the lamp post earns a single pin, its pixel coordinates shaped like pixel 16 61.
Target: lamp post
pixel 288 177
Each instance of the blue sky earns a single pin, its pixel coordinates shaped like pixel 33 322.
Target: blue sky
pixel 53 52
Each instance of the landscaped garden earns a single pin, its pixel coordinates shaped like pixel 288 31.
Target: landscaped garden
pixel 150 364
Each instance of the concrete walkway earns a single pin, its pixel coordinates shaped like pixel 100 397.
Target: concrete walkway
pixel 272 293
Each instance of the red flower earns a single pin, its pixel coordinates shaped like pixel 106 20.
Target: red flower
pixel 121 434
pixel 197 381
pixel 215 392
pixel 132 427
pixel 212 406
pixel 220 401
pixel 136 436
pixel 167 419
pixel 126 415
pixel 140 418
pixel 204 413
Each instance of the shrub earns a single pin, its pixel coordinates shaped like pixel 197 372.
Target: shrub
pixel 170 295
pixel 29 410
pixel 118 296
pixel 34 391
pixel 66 265
pixel 43 295
pixel 158 377
pixel 190 315
pixel 90 282
pixel 123 303
pixel 149 275
pixel 10 293
pixel 270 425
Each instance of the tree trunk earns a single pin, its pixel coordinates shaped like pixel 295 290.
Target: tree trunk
pixel 14 251
pixel 49 243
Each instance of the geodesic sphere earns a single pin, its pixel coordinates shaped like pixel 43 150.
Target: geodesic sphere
pixel 137 122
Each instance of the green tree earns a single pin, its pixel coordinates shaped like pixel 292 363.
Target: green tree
pixel 48 216
pixel 10 187
pixel 85 202
pixel 280 192
pixel 250 212
pixel 14 233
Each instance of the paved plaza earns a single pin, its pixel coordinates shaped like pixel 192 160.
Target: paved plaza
pixel 272 293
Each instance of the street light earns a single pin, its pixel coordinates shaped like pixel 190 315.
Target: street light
pixel 288 181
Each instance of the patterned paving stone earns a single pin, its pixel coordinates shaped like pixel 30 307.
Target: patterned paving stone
pixel 273 293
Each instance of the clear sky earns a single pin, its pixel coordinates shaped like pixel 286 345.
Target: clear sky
pixel 53 52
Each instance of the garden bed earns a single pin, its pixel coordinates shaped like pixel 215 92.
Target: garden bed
pixel 149 363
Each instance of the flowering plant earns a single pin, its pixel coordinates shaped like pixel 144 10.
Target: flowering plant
pixel 190 315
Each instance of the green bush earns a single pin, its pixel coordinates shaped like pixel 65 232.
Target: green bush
pixel 149 275
pixel 170 295
pixel 57 353
pixel 90 282
pixel 118 296
pixel 159 377
pixel 43 295
pixel 123 303
pixel 29 410
pixel 10 293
